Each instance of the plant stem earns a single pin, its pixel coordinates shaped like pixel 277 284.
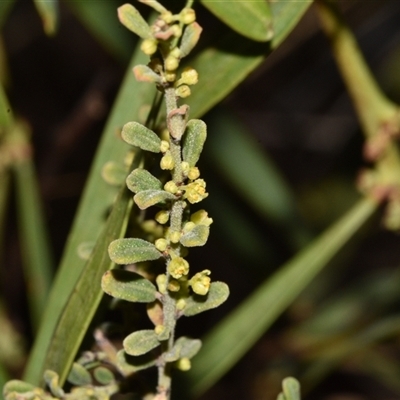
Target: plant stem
pixel 372 106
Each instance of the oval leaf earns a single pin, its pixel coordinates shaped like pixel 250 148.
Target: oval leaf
pixel 193 142
pixel 114 173
pixel 145 74
pixel 79 375
pixel 196 237
pixel 128 364
pixel 103 375
pixel 131 19
pixel 190 38
pixel 188 348
pixel 17 386
pixel 250 18
pixel 138 135
pixel 218 293
pixel 132 250
pixel 141 179
pixel 140 342
pixel 129 286
pixel 148 198
pixel 291 388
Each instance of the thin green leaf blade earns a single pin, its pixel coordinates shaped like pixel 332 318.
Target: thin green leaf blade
pixel 221 347
pixel 252 19
pixel 48 10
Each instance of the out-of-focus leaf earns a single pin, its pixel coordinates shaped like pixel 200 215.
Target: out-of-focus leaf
pixel 101 20
pixel 231 338
pixel 140 342
pixel 131 19
pixel 5 7
pixel 252 19
pixel 48 10
pixel 148 198
pixel 190 37
pixel 130 364
pixel 88 225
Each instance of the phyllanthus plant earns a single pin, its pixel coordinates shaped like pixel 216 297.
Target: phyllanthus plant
pixel 177 292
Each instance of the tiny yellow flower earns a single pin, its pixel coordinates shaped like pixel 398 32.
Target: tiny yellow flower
pixel 196 191
pixel 167 161
pixel 201 218
pixel 162 217
pixel 178 267
pixel 201 282
pixel 161 244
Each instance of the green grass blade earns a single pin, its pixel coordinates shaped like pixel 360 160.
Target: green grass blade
pixel 223 66
pixel 231 339
pixel 5 6
pixel 89 221
pixel 35 243
pixel 102 21
pixel 252 19
pixel 48 11
pixel 83 302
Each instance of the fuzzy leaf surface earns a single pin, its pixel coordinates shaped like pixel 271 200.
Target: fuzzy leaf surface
pixel 193 141
pixel 145 74
pixel 291 388
pixel 140 342
pixel 190 37
pixel 138 135
pixel 131 19
pixel 140 179
pixel 148 198
pixel 188 347
pixel 252 19
pixel 129 364
pixel 79 375
pixel 218 293
pixel 103 375
pixel 129 286
pixel 132 250
pixel 196 237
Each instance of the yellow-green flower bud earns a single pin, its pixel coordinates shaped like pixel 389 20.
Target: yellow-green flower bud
pixel 189 76
pixel 162 282
pixel 159 329
pixel 185 167
pixel 149 226
pixel 164 135
pixel 183 364
pixel 175 52
pixel 177 30
pixel 183 91
pixel 167 16
pixel 188 226
pixel 164 146
pixel 149 46
pixel 193 173
pixel 162 217
pixel 170 76
pixel 167 162
pixel 196 191
pixel 187 16
pixel 174 285
pixel 171 63
pixel 161 244
pixel 174 237
pixel 201 218
pixel 180 304
pixel 201 282
pixel 171 187
pixel 178 267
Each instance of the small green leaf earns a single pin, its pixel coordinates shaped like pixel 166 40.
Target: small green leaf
pixel 129 364
pixel 196 304
pixel 114 173
pixel 250 18
pixel 103 375
pixel 148 198
pixel 190 38
pixel 145 74
pixel 79 375
pixel 131 19
pixel 17 386
pixel 291 388
pixel 132 250
pixel 53 382
pixel 188 347
pixel 140 179
pixel 196 237
pixel 193 141
pixel 140 342
pixel 129 286
pixel 138 135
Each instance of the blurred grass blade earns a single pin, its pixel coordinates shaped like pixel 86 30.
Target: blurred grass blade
pixel 83 302
pixel 48 11
pixel 225 64
pixel 35 243
pixel 89 220
pixel 250 18
pixel 102 21
pixel 5 6
pixel 243 163
pixel 232 338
